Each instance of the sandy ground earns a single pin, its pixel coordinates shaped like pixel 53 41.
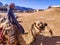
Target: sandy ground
pixel 51 17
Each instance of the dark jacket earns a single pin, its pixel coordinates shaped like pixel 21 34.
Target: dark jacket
pixel 13 20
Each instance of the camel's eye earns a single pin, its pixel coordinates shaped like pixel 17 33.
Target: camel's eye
pixel 40 25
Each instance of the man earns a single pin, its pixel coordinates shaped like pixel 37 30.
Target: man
pixel 13 19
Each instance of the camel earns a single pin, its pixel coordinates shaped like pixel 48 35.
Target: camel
pixel 12 34
pixel 40 30
pixel 39 27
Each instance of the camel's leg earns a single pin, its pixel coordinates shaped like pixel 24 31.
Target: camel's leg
pixel 51 32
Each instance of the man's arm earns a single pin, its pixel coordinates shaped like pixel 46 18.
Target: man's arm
pixel 9 16
pixel 9 19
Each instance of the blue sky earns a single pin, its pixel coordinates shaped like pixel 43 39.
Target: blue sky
pixel 36 4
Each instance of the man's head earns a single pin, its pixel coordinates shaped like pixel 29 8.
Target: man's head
pixel 12 6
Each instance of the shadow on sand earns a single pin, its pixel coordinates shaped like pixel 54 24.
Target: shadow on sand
pixel 55 40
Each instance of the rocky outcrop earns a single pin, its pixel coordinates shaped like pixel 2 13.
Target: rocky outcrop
pixel 54 7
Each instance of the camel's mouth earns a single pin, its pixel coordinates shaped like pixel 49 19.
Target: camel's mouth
pixel 42 26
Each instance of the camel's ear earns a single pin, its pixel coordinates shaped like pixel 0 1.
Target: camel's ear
pixel 34 23
pixel 45 24
pixel 32 26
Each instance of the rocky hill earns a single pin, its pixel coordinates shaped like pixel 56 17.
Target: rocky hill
pixel 17 8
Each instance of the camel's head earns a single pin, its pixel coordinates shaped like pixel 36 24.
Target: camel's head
pixel 40 25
